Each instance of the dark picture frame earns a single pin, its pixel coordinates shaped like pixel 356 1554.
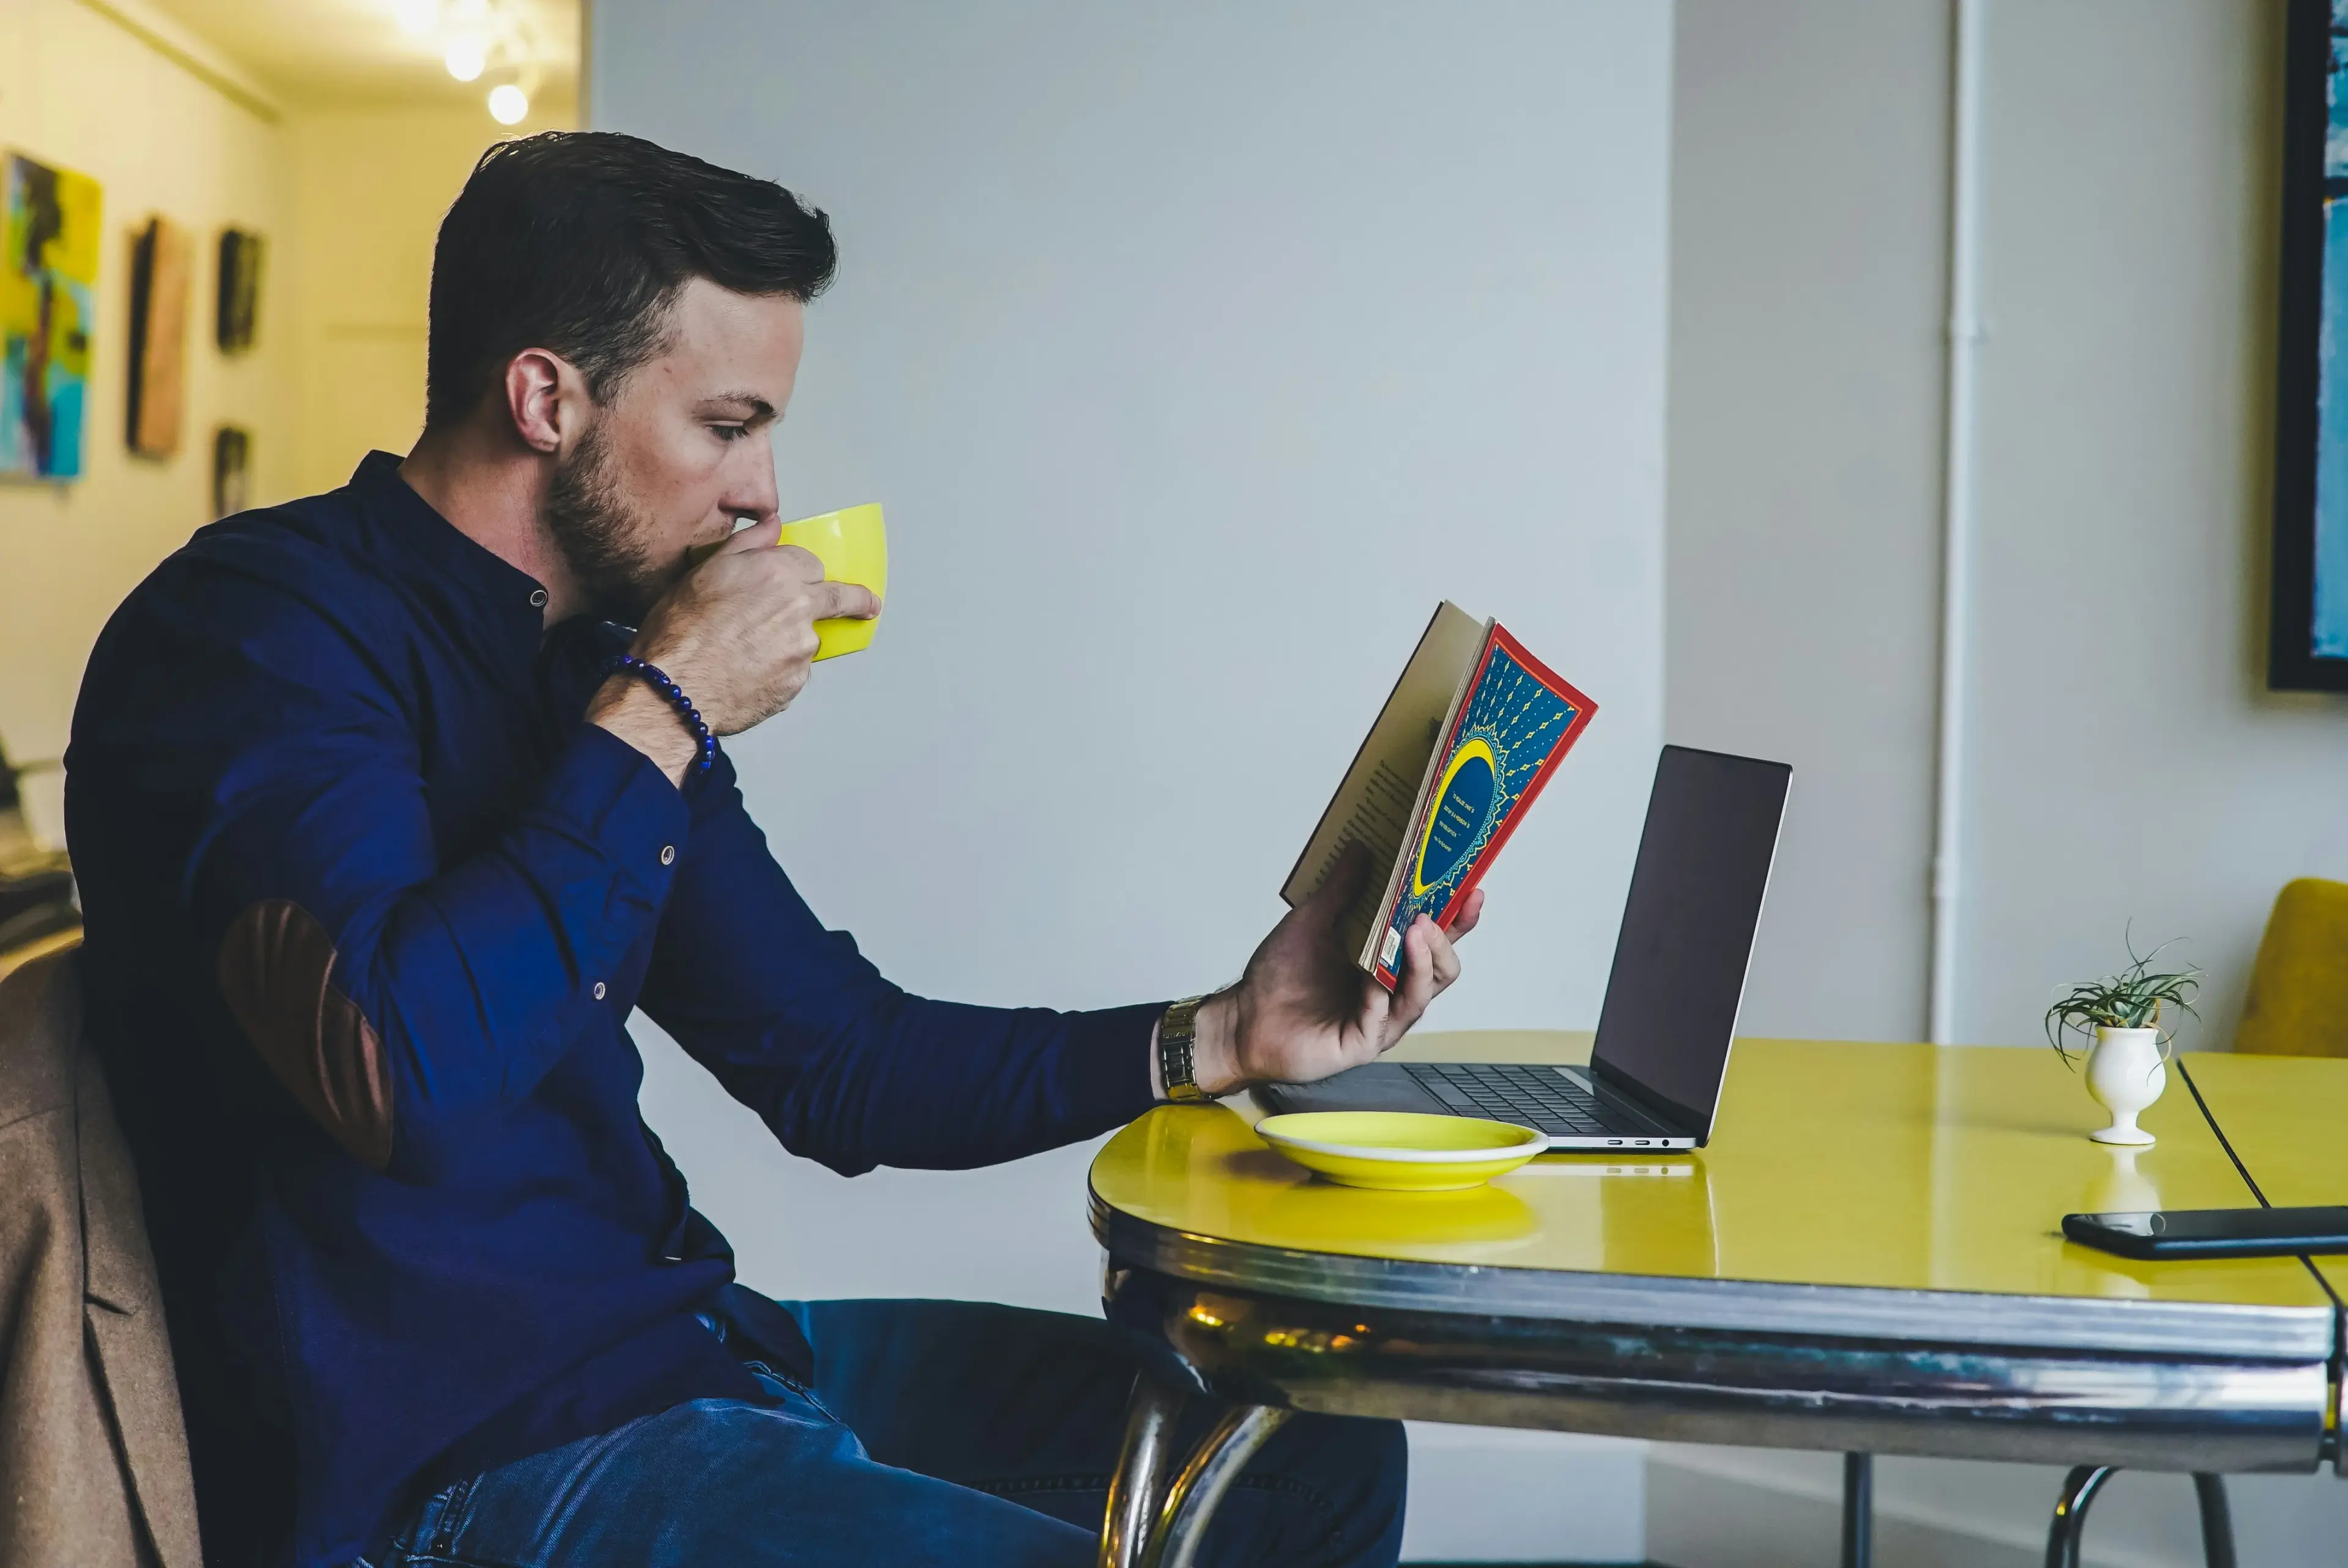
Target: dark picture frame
pixel 232 462
pixel 238 305
pixel 161 261
pixel 2308 622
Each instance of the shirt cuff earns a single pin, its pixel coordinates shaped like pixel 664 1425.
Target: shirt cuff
pixel 1109 1083
pixel 624 805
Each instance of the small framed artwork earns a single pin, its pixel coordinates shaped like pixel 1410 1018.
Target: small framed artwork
pixel 2308 638
pixel 48 289
pixel 231 455
pixel 159 265
pixel 240 290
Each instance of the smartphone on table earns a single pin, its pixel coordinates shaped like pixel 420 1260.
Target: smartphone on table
pixel 2213 1233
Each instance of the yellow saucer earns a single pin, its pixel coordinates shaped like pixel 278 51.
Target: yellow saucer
pixel 1401 1150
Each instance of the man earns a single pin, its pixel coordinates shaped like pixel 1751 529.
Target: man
pixel 380 844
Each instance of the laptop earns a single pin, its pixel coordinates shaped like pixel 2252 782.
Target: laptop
pixel 1679 962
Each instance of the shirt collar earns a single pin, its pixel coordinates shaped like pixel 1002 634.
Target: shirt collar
pixel 444 553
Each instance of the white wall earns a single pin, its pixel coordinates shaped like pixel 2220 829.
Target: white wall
pixel 1750 1508
pixel 2130 214
pixel 2129 210
pixel 1195 353
pixel 2126 444
pixel 1808 288
pixel 78 90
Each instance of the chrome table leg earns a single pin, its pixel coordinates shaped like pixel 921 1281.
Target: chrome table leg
pixel 2217 1520
pixel 1857 1510
pixel 2079 1489
pixel 1140 1484
pixel 1191 1501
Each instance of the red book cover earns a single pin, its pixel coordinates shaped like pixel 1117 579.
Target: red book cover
pixel 1512 724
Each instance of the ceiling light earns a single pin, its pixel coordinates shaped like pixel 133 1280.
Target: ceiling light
pixel 416 16
pixel 467 56
pixel 508 104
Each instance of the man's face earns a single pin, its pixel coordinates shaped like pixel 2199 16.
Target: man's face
pixel 680 450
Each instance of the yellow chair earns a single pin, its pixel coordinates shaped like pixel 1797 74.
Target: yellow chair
pixel 2298 1004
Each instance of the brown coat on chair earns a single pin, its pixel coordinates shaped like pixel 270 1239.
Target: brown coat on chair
pixel 93 1456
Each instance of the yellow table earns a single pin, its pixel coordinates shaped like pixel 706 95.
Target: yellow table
pixel 1867 1257
pixel 2287 1119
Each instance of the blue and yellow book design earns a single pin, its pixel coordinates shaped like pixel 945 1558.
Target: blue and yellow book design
pixel 1466 738
pixel 1507 729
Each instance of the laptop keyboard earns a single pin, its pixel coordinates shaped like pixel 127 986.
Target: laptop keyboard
pixel 1538 1097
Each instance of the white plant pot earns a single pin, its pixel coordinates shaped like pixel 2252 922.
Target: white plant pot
pixel 2126 1073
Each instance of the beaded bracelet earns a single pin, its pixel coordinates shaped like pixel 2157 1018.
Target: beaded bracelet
pixel 705 742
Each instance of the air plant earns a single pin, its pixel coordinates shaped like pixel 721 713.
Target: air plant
pixel 2133 999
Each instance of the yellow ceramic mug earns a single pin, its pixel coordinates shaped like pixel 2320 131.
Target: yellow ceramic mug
pixel 853 547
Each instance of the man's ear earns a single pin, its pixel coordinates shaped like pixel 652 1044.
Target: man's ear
pixel 538 383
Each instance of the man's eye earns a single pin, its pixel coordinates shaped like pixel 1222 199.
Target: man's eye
pixel 731 432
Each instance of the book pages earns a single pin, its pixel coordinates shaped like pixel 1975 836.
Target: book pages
pixel 1378 801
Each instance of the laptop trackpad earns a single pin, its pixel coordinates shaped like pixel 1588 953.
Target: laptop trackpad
pixel 1378 1086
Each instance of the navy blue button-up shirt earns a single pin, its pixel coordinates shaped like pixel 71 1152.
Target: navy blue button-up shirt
pixel 367 908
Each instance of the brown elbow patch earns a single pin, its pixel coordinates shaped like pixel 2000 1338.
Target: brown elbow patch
pixel 274 969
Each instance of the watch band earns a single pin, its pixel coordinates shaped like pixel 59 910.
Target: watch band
pixel 1178 1036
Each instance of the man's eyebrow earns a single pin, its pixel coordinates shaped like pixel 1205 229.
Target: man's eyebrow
pixel 761 411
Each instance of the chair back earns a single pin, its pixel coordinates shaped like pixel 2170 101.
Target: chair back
pixel 93 1455
pixel 2297 1003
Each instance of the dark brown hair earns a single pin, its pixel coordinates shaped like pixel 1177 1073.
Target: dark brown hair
pixel 578 242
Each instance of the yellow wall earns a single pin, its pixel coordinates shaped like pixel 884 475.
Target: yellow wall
pixel 369 186
pixel 78 90
pixel 349 200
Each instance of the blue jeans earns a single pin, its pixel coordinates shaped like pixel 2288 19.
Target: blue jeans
pixel 937 1432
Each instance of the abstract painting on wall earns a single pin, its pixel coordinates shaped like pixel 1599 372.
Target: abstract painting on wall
pixel 48 285
pixel 159 336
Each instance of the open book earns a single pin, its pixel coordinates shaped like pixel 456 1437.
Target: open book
pixel 1466 740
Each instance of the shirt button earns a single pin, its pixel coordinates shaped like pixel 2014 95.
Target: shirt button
pixel 599 991
pixel 668 855
pixel 538 598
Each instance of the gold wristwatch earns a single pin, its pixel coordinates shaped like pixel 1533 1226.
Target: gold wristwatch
pixel 1178 1035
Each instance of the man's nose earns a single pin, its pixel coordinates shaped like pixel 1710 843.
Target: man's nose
pixel 750 488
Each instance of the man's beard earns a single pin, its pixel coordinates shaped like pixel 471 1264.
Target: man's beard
pixel 600 535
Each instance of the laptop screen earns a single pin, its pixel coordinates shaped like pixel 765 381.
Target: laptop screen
pixel 1687 931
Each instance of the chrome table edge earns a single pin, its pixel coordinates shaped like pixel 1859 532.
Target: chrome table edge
pixel 2198 1330
pixel 1918 1396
